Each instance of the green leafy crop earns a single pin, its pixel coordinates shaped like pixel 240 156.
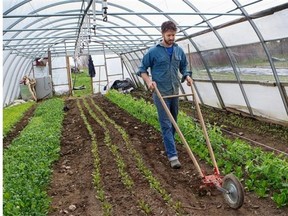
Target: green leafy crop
pixel 27 162
pixel 11 115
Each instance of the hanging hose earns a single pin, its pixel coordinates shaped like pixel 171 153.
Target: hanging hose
pixel 94 16
pixel 104 9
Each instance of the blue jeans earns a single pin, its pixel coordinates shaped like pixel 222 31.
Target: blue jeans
pixel 167 128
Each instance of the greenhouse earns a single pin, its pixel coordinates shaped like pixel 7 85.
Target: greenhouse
pixel 88 123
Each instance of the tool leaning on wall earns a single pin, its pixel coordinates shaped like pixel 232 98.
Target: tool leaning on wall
pixel 31 83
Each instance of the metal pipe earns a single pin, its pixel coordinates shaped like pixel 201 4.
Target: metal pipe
pixel 122 14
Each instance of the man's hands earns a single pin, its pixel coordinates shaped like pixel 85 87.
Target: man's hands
pixel 189 80
pixel 151 85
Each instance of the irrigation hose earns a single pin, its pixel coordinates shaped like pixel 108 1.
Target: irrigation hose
pixel 255 142
pixel 251 141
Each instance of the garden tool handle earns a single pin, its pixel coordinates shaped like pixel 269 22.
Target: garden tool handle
pixel 171 118
pixel 196 101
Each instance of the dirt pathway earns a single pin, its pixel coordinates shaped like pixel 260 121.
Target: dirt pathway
pixel 72 182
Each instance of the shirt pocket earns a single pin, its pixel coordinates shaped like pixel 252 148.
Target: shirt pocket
pixel 176 61
pixel 160 60
pixel 178 58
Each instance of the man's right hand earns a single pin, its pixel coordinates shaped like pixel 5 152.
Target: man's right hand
pixel 189 81
pixel 151 85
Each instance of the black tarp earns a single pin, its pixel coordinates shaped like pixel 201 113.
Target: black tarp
pixel 91 67
pixel 121 85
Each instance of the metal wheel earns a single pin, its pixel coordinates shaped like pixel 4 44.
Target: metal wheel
pixel 235 197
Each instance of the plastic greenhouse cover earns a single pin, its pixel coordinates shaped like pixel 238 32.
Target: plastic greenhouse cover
pixel 220 6
pixel 135 24
pixel 143 19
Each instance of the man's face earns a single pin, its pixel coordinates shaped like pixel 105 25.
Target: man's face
pixel 169 37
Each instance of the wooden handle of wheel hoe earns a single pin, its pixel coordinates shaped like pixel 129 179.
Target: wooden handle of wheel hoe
pixel 179 132
pixel 204 129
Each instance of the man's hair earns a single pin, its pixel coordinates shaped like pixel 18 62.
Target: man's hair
pixel 168 25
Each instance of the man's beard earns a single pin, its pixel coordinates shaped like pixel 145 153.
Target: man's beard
pixel 168 42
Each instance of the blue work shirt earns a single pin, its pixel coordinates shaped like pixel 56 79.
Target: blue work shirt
pixel 164 70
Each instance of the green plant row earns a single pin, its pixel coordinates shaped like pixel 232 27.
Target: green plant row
pixel 13 114
pixel 106 206
pixel 264 173
pixel 153 181
pixel 125 177
pixel 27 162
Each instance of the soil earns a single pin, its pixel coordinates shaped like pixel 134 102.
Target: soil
pixel 72 189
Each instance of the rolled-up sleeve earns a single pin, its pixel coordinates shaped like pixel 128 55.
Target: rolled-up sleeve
pixel 183 68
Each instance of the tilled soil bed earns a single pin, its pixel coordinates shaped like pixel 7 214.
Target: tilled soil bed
pixel 73 188
pixel 163 191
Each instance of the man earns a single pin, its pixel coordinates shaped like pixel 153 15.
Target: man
pixel 164 60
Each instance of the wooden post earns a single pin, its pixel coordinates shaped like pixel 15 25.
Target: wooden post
pixel 50 68
pixel 69 75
